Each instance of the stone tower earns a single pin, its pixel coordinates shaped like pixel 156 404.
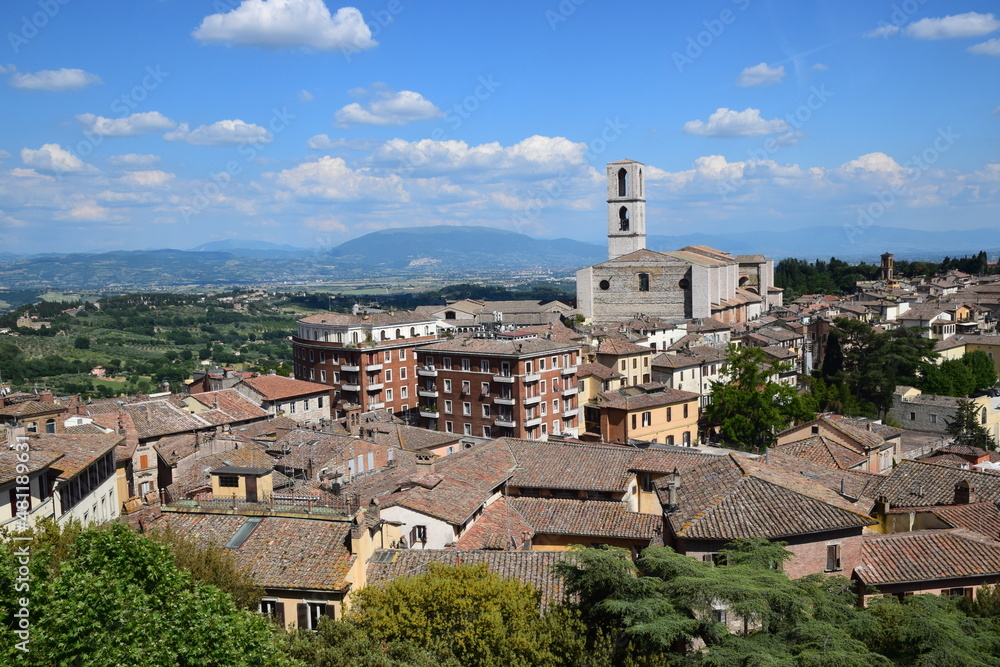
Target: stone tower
pixel 887 266
pixel 626 208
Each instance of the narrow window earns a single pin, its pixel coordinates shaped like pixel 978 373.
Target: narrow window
pixel 622 182
pixel 623 223
pixel 643 282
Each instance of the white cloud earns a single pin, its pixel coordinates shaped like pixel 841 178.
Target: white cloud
pixel 970 24
pixel 305 96
pixel 130 126
pixel 152 178
pixel 4 155
pixel 990 47
pixel 86 211
pixel 330 179
pixel 222 133
pixel 884 30
pixel 528 159
pixel 7 68
pixel 288 23
pixel 54 79
pixel 820 67
pixel 53 157
pixel 761 75
pixel 389 109
pixel 133 160
pixel 728 123
pixel 325 223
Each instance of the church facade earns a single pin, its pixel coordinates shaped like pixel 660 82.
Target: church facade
pixel 693 282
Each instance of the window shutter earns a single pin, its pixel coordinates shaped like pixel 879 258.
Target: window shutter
pixel 143 461
pixel 833 557
pixel 331 611
pixel 303 610
pixel 279 613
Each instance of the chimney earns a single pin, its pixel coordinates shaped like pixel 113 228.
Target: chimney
pixel 965 494
pixel 425 460
pixel 673 486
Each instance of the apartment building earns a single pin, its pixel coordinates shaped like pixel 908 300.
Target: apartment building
pixel 369 358
pixel 516 386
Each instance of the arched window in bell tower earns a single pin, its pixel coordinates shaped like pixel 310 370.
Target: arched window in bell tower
pixel 622 182
pixel 623 219
pixel 639 188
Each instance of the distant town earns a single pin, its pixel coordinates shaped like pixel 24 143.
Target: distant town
pixel 674 404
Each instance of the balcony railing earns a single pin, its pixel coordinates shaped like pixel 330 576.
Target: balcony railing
pixel 427 371
pixel 504 400
pixel 376 386
pixel 569 370
pixel 534 421
pixel 350 368
pixel 376 406
pixel 506 379
pixel 532 377
pixel 372 368
pixel 427 393
pixel 433 413
pixel 571 412
pixel 504 422
pixel 570 391
pixel 350 386
pixel 531 400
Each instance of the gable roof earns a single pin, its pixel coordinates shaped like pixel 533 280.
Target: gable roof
pixel 621 399
pixel 734 497
pixel 78 451
pixel 922 484
pixel 37 461
pixel 280 552
pixel 983 518
pixel 277 388
pixel 820 449
pixel 500 527
pixel 587 518
pixel 926 555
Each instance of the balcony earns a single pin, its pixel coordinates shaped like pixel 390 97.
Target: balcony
pixel 427 372
pixel 534 421
pixel 570 391
pixel 350 368
pixel 569 370
pixel 532 377
pixel 503 422
pixel 570 413
pixel 505 379
pixel 373 368
pixel 504 400
pixel 345 386
pixel 429 411
pixel 376 406
pixel 531 400
pixel 427 393
pixel 375 386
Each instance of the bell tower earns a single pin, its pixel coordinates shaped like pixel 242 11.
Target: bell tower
pixel 626 208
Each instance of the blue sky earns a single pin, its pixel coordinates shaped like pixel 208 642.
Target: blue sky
pixel 168 123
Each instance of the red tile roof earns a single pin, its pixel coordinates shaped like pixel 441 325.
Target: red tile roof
pixel 587 519
pixel 78 451
pixel 927 555
pixel 499 527
pixel 277 387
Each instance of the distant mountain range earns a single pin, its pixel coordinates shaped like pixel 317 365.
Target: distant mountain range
pixel 447 251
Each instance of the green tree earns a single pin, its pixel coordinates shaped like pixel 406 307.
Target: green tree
pixel 751 408
pixel 967 428
pixel 112 597
pixel 470 615
pixel 833 359
pixel 984 374
pixel 81 343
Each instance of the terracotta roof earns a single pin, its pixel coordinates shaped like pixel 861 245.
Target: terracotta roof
pixel 78 451
pixel 176 447
pixel 498 346
pixel 922 484
pixel 819 449
pixel 623 400
pixel 276 387
pixel 280 552
pixel 733 497
pixel 37 460
pixel 619 346
pixel 587 519
pixel 927 555
pixel 599 371
pixel 312 449
pixel 530 567
pixel 401 436
pixel 227 406
pixel 30 409
pixel 983 518
pixel 372 319
pixel 499 527
pixel 249 455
